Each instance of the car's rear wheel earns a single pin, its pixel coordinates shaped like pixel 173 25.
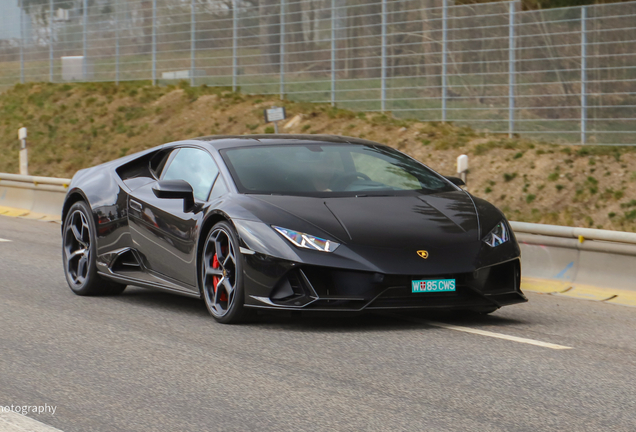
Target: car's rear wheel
pixel 79 252
pixel 222 275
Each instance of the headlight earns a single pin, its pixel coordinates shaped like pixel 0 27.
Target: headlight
pixel 498 236
pixel 307 241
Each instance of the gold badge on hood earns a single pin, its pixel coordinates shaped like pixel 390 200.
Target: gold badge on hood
pixel 422 254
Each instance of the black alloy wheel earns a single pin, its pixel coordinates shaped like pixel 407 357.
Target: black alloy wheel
pixel 222 275
pixel 79 253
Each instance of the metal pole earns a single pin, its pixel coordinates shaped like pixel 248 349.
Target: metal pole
pixel 50 40
pixel 154 42
pixel 234 45
pixel 583 73
pixel 85 42
pixel 511 70
pixel 117 42
pixel 282 49
pixel 193 28
pixel 333 52
pixel 444 56
pixel 383 83
pixel 21 44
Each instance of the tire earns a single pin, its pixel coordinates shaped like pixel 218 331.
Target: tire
pixel 79 253
pixel 221 270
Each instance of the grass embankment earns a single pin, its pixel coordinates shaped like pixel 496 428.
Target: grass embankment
pixel 80 125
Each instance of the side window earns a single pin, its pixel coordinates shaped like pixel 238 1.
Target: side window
pixel 196 167
pixel 219 189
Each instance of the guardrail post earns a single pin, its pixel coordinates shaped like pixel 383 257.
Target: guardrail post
pixel 154 42
pixel 50 40
pixel 511 70
pixel 583 73
pixel 444 56
pixel 193 24
pixel 24 158
pixel 383 83
pixel 21 43
pixel 333 52
pixel 234 45
pixel 117 42
pixel 282 49
pixel 85 41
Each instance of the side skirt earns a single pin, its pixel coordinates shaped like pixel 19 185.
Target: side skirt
pixel 146 284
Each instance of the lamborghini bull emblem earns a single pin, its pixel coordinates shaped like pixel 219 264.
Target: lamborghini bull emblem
pixel 422 254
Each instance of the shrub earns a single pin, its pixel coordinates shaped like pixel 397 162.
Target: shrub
pixel 509 177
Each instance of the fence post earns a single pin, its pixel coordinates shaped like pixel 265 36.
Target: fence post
pixel 85 41
pixel 333 52
pixel 117 42
pixel 50 40
pixel 444 56
pixel 282 49
pixel 234 45
pixel 21 43
pixel 193 24
pixel 383 83
pixel 583 73
pixel 511 70
pixel 154 42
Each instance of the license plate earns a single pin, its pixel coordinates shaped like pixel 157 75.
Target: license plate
pixel 433 285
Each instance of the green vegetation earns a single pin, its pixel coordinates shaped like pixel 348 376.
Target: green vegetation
pixel 509 177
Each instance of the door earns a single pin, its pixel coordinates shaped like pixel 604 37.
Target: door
pixel 164 234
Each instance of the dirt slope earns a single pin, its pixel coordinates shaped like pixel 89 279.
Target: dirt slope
pixel 79 125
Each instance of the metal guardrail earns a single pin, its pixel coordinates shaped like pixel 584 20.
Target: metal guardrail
pixel 34 182
pixel 33 196
pixel 585 239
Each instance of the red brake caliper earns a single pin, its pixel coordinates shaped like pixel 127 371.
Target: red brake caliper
pixel 215 279
pixel 215 265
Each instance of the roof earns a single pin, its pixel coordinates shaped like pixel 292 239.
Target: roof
pixel 227 141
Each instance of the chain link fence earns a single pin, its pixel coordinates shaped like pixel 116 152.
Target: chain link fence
pixel 566 75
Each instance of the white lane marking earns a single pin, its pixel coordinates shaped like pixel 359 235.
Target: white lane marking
pixel 4 240
pixel 14 422
pixel 497 335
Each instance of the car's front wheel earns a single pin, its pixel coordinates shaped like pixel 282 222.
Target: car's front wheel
pixel 222 275
pixel 79 252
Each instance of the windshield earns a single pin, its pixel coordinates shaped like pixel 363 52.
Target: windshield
pixel 330 170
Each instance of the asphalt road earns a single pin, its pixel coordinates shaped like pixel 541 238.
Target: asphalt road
pixel 148 361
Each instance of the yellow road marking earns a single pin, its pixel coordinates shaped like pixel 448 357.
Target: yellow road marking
pixel 23 213
pixel 580 291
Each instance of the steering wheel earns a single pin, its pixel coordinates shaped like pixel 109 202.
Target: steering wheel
pixel 346 179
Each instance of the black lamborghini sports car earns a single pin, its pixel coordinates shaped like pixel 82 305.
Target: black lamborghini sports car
pixel 287 222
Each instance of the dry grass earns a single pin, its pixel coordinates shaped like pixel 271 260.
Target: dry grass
pixel 79 125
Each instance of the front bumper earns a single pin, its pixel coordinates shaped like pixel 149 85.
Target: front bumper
pixel 278 284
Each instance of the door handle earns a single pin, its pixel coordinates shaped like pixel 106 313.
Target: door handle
pixel 135 205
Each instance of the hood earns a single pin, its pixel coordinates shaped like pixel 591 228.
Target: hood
pixel 388 231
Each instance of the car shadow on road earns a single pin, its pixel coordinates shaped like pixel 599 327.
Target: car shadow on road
pixel 373 321
pixel 164 301
pixel 319 322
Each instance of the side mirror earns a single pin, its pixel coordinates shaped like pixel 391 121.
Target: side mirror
pixel 175 189
pixel 455 180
